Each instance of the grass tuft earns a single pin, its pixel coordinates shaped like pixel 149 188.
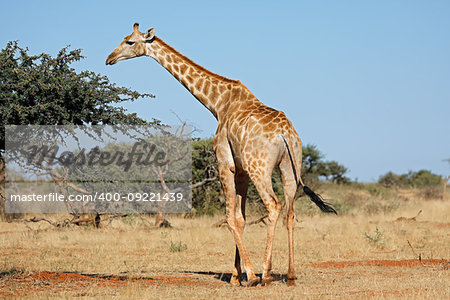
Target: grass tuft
pixel 376 239
pixel 177 247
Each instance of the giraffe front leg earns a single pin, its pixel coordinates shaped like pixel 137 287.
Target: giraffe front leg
pixel 240 223
pixel 237 272
pixel 234 227
pixel 241 183
pixel 227 178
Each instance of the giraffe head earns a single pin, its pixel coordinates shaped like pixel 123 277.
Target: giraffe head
pixel 133 45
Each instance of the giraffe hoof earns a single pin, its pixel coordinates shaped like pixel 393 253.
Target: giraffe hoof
pixel 253 281
pixel 235 281
pixel 266 281
pixel 291 282
pixel 292 277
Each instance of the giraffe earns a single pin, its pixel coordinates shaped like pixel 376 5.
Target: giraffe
pixel 251 140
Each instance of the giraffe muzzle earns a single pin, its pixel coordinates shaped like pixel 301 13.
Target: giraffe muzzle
pixel 110 60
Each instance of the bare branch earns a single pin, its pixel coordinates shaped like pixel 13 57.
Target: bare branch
pixel 409 219
pixel 35 220
pixel 220 223
pixel 203 182
pixel 260 220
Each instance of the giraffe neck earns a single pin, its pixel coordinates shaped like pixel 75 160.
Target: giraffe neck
pixel 212 90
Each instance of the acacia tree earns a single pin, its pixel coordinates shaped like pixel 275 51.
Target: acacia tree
pixel 314 166
pixel 332 171
pixel 45 90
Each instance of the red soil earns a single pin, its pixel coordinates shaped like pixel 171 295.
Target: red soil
pixel 60 277
pixel 108 280
pixel 61 283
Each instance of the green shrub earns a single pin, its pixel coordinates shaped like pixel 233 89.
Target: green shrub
pixel 421 178
pixel 177 247
pixel 376 239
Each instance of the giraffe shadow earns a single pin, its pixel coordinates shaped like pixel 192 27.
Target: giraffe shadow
pixel 226 277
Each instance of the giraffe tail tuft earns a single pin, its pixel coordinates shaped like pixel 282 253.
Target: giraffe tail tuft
pixel 318 200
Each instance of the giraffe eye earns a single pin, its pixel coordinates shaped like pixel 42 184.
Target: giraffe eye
pixel 130 43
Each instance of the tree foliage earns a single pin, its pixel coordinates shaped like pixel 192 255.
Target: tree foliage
pixel 333 171
pixel 313 166
pixel 45 90
pixel 208 198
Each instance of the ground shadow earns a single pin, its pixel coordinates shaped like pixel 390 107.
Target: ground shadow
pixel 76 276
pixel 226 277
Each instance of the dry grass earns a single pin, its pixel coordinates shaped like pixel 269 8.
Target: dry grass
pixel 194 259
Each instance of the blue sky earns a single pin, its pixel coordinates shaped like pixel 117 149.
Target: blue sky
pixel 368 82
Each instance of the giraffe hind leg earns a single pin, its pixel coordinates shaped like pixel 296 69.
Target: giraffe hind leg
pixel 289 188
pixel 264 186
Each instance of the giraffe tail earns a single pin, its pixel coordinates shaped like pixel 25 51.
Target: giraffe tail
pixel 316 198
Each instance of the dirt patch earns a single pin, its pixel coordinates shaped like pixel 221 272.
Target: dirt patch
pixel 443 225
pixel 18 284
pixel 406 263
pixel 8 232
pixel 101 279
pixel 60 277
pixel 374 293
pixel 435 224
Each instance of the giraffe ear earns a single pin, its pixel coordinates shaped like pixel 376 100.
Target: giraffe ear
pixel 150 34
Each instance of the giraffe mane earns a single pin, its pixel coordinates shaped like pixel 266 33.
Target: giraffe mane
pixel 189 61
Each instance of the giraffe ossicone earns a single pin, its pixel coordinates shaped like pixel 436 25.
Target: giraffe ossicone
pixel 251 140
